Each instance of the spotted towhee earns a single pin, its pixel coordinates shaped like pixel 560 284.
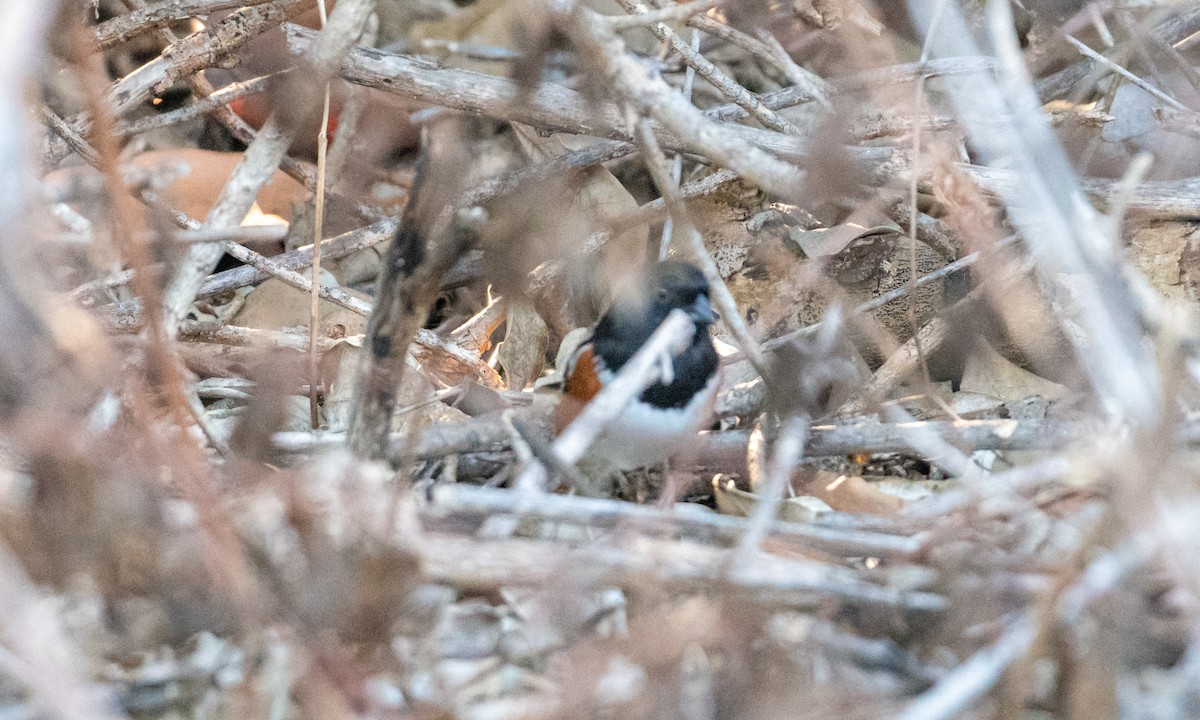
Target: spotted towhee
pixel 666 415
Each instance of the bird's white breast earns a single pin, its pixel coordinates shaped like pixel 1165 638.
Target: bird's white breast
pixel 645 434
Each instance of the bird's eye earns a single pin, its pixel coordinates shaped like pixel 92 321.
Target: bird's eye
pixel 662 294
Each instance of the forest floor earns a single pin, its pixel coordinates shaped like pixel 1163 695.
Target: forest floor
pixel 949 471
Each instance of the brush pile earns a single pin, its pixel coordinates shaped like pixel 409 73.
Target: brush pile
pixel 283 286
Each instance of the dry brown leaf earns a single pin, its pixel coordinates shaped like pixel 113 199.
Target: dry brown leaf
pixel 818 491
pixel 732 500
pixel 848 493
pixel 989 374
pixel 275 305
pixel 830 241
pixel 522 354
pixel 197 191
pixel 188 180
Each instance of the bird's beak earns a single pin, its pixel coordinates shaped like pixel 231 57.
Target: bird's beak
pixel 701 311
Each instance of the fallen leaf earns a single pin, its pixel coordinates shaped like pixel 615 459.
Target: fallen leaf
pixel 275 305
pixel 523 350
pixel 847 493
pixel 831 241
pixel 989 374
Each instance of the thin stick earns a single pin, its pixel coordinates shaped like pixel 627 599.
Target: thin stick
pixel 314 300
pixel 911 310
pixel 669 567
pixel 731 316
pixel 214 102
pixel 722 82
pixel 660 15
pixel 605 513
pixel 789 449
pixel 123 28
pixel 768 49
pixel 866 436
pixel 1092 54
pixel 972 680
pixel 689 81
pixel 332 249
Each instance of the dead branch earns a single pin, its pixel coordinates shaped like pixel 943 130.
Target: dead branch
pixel 484 565
pixel 190 55
pixel 617 515
pixel 976 677
pixel 130 25
pixel 718 79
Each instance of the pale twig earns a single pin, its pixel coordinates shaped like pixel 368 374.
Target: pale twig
pixel 673 13
pixel 257 165
pixel 214 102
pixel 689 81
pixel 899 365
pixel 787 453
pixel 718 79
pixel 797 75
pixel 960 688
pixel 236 336
pixel 669 566
pixel 911 309
pixel 1157 198
pixel 314 301
pixel 605 513
pixel 664 180
pixel 894 124
pixel 1118 202
pixel 1093 55
pixel 130 25
pixel 640 372
pixel 190 55
pixel 332 249
pixel 234 278
pixel 297 280
pixel 275 232
pixel 864 436
pixel 1016 481
pixel 768 49
pixel 1186 122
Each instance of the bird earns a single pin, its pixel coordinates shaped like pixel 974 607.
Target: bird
pixel 666 414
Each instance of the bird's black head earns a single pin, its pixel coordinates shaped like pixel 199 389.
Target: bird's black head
pixel 676 284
